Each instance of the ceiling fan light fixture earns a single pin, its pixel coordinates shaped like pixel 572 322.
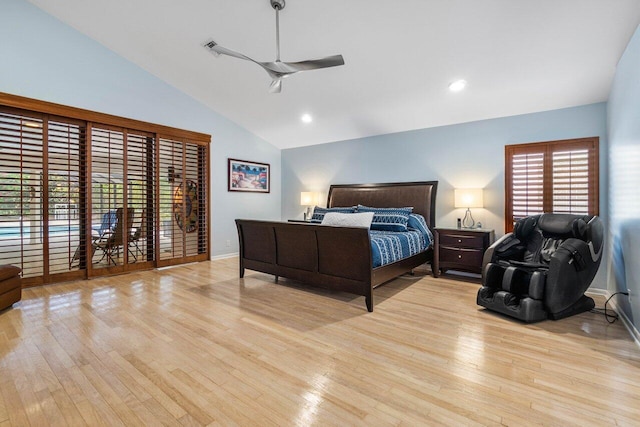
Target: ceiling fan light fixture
pixel 458 85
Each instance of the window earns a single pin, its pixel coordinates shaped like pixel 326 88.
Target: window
pixel 80 193
pixel 553 176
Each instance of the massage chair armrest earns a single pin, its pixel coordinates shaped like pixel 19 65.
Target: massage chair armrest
pixel 574 253
pixel 506 247
pixel 570 274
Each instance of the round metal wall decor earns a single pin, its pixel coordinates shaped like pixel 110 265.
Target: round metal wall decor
pixel 188 219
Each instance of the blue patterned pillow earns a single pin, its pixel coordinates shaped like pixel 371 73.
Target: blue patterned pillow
pixel 318 212
pixel 388 219
pixel 417 222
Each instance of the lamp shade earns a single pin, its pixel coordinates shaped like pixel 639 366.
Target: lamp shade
pixel 308 198
pixel 468 198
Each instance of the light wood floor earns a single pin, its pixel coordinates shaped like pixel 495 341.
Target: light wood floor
pixel 195 345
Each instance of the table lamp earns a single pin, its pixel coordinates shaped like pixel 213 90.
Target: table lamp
pixel 308 199
pixel 468 198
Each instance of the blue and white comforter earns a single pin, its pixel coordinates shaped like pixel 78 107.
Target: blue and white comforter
pixel 392 246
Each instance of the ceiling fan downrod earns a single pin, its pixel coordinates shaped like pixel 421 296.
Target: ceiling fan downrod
pixel 278 5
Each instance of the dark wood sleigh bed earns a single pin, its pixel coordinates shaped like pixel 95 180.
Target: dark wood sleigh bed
pixel 337 258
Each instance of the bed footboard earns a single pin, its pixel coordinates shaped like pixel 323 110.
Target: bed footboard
pixel 336 258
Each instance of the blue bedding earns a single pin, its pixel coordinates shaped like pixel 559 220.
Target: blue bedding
pixel 391 246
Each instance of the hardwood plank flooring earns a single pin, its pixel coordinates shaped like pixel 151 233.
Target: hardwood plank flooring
pixel 196 345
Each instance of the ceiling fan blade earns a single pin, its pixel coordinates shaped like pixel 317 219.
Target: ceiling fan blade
pixel 315 64
pixel 284 69
pixel 216 49
pixel 276 86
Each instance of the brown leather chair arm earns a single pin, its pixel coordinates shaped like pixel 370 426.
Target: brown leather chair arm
pixel 9 271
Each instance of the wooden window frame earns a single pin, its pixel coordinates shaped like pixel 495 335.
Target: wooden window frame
pixel 591 144
pixel 90 119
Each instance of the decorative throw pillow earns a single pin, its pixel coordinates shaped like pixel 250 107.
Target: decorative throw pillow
pixel 318 212
pixel 362 219
pixel 388 219
pixel 417 222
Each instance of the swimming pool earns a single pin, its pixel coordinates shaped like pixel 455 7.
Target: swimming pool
pixel 14 231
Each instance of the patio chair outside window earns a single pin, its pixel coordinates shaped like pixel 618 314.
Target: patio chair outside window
pixel 138 233
pixel 108 224
pixel 109 220
pixel 111 242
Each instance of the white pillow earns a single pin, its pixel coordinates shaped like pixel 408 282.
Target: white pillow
pixel 362 219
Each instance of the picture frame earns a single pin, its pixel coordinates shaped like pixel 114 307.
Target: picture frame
pixel 248 176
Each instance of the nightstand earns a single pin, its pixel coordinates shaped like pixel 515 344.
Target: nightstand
pixel 460 249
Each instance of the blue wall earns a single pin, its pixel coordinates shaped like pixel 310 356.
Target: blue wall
pixel 53 62
pixel 463 155
pixel 624 192
pixel 45 59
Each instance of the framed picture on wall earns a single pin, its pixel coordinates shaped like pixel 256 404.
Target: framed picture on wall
pixel 249 176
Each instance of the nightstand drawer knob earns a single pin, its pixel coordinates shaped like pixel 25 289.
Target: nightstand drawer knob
pixel 460 256
pixel 459 241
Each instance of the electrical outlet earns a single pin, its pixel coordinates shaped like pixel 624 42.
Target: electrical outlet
pixel 228 243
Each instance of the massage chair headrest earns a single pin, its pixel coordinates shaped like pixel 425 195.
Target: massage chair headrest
pixel 561 226
pixel 524 227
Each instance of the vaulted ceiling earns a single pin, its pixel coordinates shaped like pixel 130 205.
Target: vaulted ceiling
pixel 517 57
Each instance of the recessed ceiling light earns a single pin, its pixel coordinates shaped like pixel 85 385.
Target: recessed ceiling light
pixel 457 86
pixel 306 118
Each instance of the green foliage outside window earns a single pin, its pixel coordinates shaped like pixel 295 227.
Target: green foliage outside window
pixel 18 191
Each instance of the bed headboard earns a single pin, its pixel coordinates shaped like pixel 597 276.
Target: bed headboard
pixel 420 195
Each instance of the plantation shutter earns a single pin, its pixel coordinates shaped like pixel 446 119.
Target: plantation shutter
pixel 65 173
pixel 195 222
pixel 107 197
pixel 42 208
pixel 66 207
pixel 527 184
pixel 140 194
pixel 21 173
pixel 571 181
pixel 171 169
pixel 552 177
pixel 183 201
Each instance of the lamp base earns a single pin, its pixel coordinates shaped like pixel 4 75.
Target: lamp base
pixel 308 213
pixel 468 221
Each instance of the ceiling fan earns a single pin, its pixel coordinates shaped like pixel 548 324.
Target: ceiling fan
pixel 278 70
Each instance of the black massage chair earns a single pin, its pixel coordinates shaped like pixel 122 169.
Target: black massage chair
pixel 543 268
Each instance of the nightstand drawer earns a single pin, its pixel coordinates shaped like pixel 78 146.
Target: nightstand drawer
pixel 460 249
pixel 475 241
pixel 471 258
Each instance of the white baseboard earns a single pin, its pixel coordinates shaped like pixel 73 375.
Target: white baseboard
pixel 626 322
pixel 224 256
pixel 597 291
pixel 633 331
